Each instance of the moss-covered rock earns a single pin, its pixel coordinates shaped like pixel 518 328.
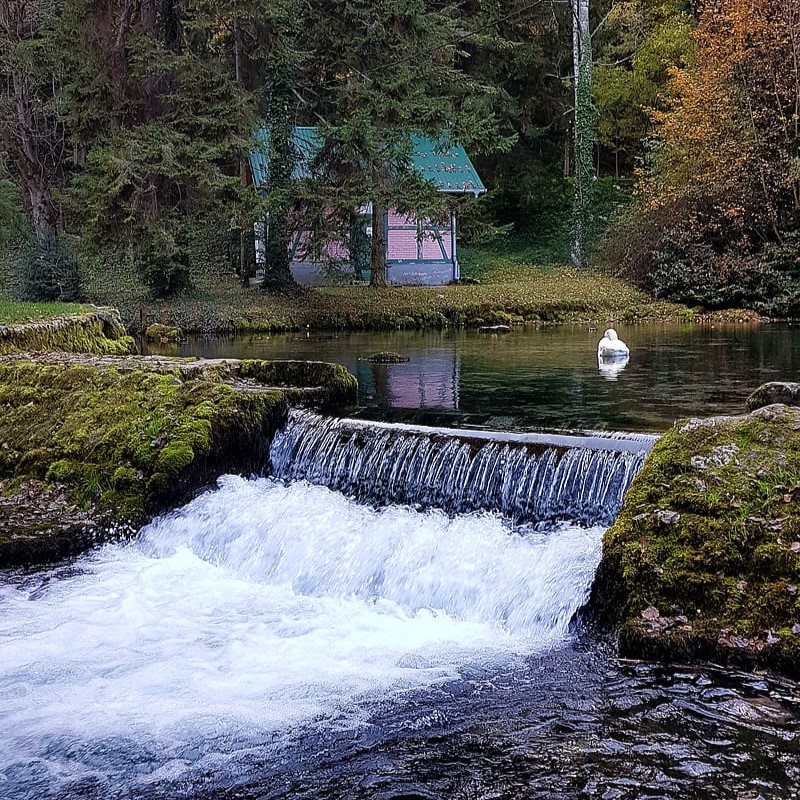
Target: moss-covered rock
pixel 704 559
pixel 162 333
pixel 123 438
pixel 99 331
pixel 387 357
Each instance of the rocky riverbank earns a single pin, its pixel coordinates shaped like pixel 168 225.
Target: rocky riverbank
pixel 703 562
pixel 93 445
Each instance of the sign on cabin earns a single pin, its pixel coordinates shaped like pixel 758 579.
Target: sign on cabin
pixel 418 251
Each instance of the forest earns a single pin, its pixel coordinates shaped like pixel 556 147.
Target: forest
pixel 663 135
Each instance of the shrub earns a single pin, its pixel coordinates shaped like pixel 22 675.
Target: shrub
pixel 46 272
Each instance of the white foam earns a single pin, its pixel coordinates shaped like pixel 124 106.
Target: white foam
pixel 260 606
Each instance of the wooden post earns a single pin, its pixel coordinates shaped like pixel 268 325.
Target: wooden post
pixel 456 270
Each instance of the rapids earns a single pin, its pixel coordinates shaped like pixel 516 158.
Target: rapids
pixel 390 615
pixel 258 607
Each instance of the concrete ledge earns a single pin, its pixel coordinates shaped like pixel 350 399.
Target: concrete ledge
pixel 98 331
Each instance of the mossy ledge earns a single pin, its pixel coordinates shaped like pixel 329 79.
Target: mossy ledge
pixel 90 445
pixel 98 331
pixel 703 562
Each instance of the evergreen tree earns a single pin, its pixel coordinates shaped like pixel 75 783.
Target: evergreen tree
pixel 32 136
pixel 384 70
pixel 162 124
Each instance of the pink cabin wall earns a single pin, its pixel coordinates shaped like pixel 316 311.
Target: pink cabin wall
pixel 403 243
pixel 333 251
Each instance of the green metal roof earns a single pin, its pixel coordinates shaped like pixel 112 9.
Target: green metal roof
pixel 449 168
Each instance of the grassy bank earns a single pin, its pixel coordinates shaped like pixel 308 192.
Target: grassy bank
pixel 12 312
pixel 520 278
pixel 509 292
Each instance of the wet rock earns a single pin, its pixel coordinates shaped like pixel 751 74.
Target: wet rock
pixel 774 392
pixel 719 557
pixel 494 329
pixel 163 334
pixel 387 358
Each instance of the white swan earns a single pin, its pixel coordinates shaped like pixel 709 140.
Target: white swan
pixel 611 346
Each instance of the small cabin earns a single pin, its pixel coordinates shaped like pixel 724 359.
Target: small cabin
pixel 418 251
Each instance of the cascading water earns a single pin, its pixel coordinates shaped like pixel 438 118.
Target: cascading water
pixel 255 608
pixel 534 478
pixel 276 605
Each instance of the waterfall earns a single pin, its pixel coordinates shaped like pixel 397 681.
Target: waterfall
pixel 274 605
pixel 534 478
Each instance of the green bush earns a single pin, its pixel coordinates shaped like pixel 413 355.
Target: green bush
pixel 46 272
pixel 700 273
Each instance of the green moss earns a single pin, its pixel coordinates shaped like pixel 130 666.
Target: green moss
pixel 337 385
pixel 727 563
pixel 98 429
pixel 387 357
pixel 162 333
pixel 98 331
pixel 174 457
pixel 126 438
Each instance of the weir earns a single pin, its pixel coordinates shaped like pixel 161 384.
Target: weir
pixel 536 478
pixel 272 605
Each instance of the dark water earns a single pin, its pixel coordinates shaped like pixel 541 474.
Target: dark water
pixel 543 377
pixel 572 725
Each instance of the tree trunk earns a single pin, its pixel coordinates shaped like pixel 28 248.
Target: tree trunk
pixel 277 271
pixel 584 129
pixel 150 105
pixel 33 172
pixel 378 263
pixel 359 246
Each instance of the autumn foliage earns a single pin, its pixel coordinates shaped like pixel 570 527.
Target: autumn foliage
pixel 718 214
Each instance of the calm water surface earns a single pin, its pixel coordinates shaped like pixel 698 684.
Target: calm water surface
pixel 542 377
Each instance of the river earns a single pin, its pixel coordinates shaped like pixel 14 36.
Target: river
pixel 389 612
pixel 541 377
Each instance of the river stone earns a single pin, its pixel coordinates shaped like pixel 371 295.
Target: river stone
pixel 387 358
pixel 163 333
pixel 722 552
pixel 775 392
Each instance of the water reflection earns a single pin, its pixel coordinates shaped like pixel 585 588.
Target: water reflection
pixel 429 381
pixel 544 377
pixel 610 368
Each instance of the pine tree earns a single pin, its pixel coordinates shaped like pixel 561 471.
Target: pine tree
pixel 162 127
pixel 32 135
pixel 383 71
